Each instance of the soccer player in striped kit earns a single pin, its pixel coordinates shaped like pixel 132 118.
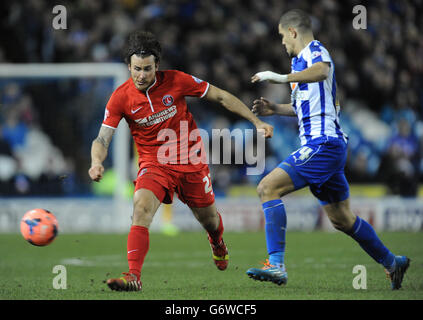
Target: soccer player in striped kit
pixel 320 161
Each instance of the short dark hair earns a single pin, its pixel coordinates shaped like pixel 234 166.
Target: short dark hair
pixel 296 18
pixel 142 43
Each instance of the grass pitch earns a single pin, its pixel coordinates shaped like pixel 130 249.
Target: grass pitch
pixel 320 266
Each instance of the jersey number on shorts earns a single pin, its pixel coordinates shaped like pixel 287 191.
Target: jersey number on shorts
pixel 207 185
pixel 304 153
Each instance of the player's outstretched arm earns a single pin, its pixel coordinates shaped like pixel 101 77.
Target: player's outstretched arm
pixel 233 104
pixel 263 107
pixel 99 149
pixel 319 71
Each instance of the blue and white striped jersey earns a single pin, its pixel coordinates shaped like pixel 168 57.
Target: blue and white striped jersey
pixel 315 103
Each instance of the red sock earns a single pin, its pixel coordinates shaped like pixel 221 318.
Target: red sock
pixel 138 244
pixel 216 236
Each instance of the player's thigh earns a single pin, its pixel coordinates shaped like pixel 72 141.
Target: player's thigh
pixel 157 180
pixel 275 185
pixel 145 206
pixel 340 214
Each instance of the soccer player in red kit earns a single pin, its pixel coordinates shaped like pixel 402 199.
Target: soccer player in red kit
pixel 153 102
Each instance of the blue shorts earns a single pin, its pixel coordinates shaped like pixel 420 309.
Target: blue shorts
pixel 320 165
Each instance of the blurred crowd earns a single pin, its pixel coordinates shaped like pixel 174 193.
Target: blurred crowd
pixel 30 163
pixel 379 70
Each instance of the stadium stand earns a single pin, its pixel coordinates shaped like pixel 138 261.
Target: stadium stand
pixel 379 74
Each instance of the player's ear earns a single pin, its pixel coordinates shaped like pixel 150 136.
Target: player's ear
pixel 292 32
pixel 129 66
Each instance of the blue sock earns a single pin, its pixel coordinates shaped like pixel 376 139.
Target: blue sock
pixel 275 217
pixel 365 235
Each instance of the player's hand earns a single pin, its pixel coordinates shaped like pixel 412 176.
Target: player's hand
pixel 263 107
pixel 256 78
pixel 269 76
pixel 265 128
pixel 96 172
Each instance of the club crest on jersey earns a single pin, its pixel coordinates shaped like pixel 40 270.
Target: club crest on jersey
pixel 167 100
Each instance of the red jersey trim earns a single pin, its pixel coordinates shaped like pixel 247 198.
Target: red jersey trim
pixel 148 97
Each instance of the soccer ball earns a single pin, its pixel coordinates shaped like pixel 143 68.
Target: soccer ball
pixel 39 227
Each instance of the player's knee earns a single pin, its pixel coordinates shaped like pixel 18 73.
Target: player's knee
pixel 142 214
pixel 263 189
pixel 266 191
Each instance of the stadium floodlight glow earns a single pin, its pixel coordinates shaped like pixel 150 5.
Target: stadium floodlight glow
pixel 117 71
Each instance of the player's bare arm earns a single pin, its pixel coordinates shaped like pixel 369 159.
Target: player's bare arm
pixel 319 71
pixel 264 107
pixel 99 150
pixel 235 105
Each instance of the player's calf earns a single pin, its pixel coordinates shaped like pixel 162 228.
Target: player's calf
pixel 212 222
pixel 219 250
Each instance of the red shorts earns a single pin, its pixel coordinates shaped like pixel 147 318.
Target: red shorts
pixel 192 188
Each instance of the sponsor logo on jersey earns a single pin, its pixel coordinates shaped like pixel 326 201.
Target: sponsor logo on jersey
pixel 300 95
pixel 157 117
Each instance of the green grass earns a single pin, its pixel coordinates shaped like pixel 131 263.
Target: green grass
pixel 319 266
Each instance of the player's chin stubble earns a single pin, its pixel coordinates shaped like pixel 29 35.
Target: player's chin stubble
pixel 290 54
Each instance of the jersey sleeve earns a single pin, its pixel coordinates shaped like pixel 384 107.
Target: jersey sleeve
pixel 192 86
pixel 113 113
pixel 318 54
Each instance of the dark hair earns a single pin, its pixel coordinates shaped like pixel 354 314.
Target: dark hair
pixel 296 18
pixel 142 43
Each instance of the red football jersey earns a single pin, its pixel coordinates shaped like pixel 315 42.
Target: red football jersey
pixel 159 120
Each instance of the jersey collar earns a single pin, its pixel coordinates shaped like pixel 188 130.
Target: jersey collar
pixel 304 49
pixel 151 86
pixel 157 80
